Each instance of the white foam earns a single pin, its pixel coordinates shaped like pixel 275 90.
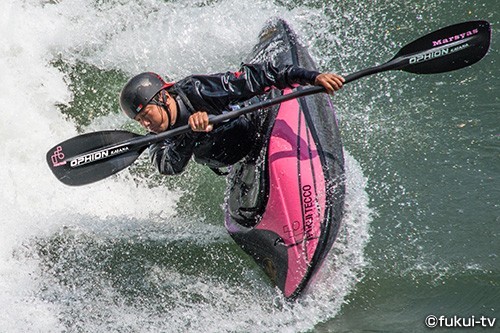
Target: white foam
pixel 32 201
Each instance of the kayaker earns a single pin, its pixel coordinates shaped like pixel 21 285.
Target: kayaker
pixel 159 106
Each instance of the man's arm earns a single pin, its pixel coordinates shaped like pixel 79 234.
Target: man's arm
pixel 220 90
pixel 290 75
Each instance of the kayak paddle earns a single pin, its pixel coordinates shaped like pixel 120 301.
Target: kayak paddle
pixel 90 157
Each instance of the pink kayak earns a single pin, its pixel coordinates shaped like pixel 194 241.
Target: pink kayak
pixel 285 202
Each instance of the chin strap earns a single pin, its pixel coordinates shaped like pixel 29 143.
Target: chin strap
pixel 163 105
pixel 167 109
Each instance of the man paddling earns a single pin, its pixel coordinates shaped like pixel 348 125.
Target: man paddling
pixel 159 106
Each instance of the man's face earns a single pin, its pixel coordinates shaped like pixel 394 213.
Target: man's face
pixel 153 118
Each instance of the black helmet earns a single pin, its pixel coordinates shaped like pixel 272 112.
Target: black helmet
pixel 139 91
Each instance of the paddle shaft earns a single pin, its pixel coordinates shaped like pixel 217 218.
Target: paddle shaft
pixel 139 143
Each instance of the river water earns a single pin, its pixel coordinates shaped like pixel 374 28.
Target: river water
pixel 144 253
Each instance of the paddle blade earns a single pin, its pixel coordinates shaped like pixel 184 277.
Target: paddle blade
pixel 90 157
pixel 447 49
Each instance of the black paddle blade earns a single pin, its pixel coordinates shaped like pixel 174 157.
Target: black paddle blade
pixel 90 157
pixel 447 49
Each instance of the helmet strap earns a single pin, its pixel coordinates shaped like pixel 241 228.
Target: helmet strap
pixel 162 103
pixel 167 108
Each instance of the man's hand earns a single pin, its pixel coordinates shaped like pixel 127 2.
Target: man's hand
pixel 199 122
pixel 332 82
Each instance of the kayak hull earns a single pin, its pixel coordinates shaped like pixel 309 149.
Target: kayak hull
pixel 285 202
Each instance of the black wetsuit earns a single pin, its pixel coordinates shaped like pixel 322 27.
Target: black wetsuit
pixel 230 141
